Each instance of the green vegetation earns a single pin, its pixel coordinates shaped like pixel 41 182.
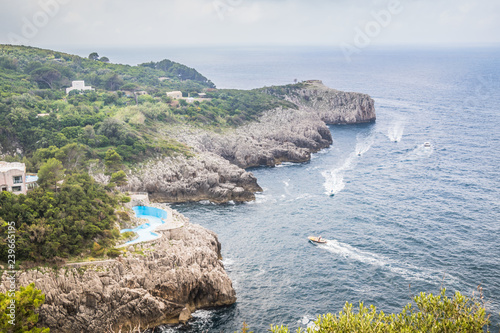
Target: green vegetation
pixel 431 313
pixel 37 117
pixel 59 224
pixel 26 300
pixel 123 121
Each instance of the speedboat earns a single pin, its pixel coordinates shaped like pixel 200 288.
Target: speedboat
pixel 427 144
pixel 317 240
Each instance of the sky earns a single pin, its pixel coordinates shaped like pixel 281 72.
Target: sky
pixel 347 24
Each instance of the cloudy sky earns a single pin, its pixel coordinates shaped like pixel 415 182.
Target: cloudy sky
pixel 94 23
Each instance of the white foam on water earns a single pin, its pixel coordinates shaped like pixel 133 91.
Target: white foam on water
pixel 334 179
pixel 285 164
pixel 202 314
pixel 261 198
pixel 396 130
pixel 228 262
pixel 364 143
pixel 408 271
pixel 418 152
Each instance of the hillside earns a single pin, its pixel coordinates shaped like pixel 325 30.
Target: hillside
pixel 177 149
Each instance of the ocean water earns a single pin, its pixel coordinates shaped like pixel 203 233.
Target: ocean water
pixel 404 218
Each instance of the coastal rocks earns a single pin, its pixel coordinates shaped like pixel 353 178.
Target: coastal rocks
pixel 333 106
pixel 279 135
pixel 160 282
pixel 204 177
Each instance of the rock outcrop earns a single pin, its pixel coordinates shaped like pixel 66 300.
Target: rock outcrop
pixel 283 134
pixel 334 106
pixel 279 135
pixel 204 177
pixel 156 283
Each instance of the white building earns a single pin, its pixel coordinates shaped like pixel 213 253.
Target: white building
pixel 13 177
pixel 78 85
pixel 175 94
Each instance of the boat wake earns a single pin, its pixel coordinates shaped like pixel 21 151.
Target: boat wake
pixel 418 152
pixel 334 178
pixel 395 132
pixel 408 271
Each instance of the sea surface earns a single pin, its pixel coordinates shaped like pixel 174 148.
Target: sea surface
pixel 404 218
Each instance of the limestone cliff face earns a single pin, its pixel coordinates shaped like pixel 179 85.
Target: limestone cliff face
pixel 217 172
pixel 204 177
pixel 279 135
pixel 333 106
pixel 160 282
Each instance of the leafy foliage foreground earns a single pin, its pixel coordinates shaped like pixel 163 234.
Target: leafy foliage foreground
pixel 430 313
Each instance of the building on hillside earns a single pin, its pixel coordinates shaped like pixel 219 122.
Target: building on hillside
pixel 78 85
pixel 31 181
pixel 175 94
pixel 202 95
pixel 13 177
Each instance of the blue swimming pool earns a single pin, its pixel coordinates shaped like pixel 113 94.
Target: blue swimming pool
pixel 155 216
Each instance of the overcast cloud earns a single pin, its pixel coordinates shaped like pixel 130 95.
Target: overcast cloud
pixel 45 23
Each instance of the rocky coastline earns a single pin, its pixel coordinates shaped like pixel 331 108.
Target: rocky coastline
pixel 165 280
pixel 153 283
pixel 217 172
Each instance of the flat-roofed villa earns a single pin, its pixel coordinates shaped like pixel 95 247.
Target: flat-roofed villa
pixel 13 178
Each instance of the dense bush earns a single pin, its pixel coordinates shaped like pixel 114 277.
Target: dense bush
pixel 430 313
pixel 61 224
pixel 26 301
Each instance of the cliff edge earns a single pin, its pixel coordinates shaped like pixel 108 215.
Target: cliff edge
pixel 217 172
pixel 156 283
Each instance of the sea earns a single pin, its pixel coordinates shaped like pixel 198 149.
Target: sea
pixel 404 218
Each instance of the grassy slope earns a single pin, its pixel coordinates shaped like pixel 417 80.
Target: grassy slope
pixel 32 82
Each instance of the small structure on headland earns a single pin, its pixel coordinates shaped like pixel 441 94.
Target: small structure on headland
pixel 13 178
pixel 78 85
pixel 175 94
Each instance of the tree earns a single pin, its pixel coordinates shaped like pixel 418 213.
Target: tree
pixel 432 314
pixel 119 178
pixel 113 81
pixel 50 173
pixel 46 75
pixel 104 59
pixel 113 160
pixel 94 56
pixel 23 319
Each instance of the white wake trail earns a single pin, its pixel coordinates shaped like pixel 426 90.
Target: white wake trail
pixel 334 178
pixel 395 132
pixel 409 271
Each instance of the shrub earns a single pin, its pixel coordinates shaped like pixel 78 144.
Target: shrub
pixel 114 252
pixel 432 314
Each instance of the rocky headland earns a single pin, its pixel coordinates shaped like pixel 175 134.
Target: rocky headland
pixel 153 283
pixel 217 172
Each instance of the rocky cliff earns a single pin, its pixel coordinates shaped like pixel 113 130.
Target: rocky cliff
pixel 153 284
pixel 333 106
pixel 217 172
pixel 204 177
